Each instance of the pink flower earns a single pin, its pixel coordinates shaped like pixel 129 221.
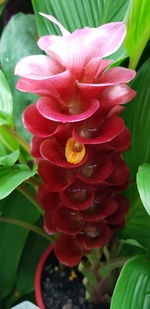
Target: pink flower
pixel 79 135
pixel 76 73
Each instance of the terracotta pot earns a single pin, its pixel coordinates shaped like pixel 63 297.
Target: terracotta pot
pixel 38 275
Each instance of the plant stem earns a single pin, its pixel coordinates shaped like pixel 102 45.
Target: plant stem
pixel 34 182
pixel 18 138
pixel 27 226
pixel 30 197
pixel 111 265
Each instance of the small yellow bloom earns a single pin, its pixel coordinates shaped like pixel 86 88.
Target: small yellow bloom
pixel 72 276
pixel 74 151
pixel 16 293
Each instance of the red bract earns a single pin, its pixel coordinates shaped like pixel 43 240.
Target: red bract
pixel 68 250
pixel 79 136
pixel 97 168
pixel 55 178
pixel 77 196
pixel 100 209
pixel 94 234
pixel 98 129
pixel 67 220
pixel 47 200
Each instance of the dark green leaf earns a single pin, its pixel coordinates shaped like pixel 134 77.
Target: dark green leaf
pixel 6 102
pixel 143 183
pixel 12 177
pixel 28 263
pixel 12 238
pixel 137 119
pixel 10 159
pixel 133 286
pixel 138 29
pixel 138 221
pixel 19 39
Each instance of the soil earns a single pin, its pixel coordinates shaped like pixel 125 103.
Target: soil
pixel 62 287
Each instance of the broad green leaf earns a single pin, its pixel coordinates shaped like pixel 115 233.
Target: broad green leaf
pixel 6 102
pixel 12 177
pixel 8 140
pixel 137 221
pixel 133 286
pixel 85 13
pixel 3 150
pixel 9 159
pixel 137 119
pixel 19 39
pixel 13 238
pixel 27 266
pixel 137 22
pixel 143 184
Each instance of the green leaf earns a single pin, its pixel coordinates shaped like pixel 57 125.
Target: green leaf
pixel 8 140
pixel 19 39
pixel 10 159
pixel 138 29
pixel 6 102
pixel 85 13
pixel 143 184
pixel 3 150
pixel 28 263
pixel 137 119
pixel 12 177
pixel 13 238
pixel 133 286
pixel 137 221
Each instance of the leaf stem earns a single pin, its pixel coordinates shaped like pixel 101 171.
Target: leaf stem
pixel 30 197
pixel 27 226
pixel 18 138
pixel 34 182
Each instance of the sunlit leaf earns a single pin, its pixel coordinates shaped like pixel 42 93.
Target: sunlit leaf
pixel 9 159
pixel 6 102
pixel 138 29
pixel 133 286
pixel 12 177
pixel 143 183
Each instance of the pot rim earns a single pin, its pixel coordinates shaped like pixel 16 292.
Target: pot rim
pixel 38 275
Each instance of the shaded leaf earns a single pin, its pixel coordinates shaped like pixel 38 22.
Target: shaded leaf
pixel 19 39
pixel 137 221
pixel 143 184
pixel 133 286
pixel 137 119
pixel 12 238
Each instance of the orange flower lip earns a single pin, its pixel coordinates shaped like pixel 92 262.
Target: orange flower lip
pixel 74 151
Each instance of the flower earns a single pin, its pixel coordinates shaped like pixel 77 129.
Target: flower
pixel 79 135
pixel 70 82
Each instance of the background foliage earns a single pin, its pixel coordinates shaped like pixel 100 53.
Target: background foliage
pixel 18 39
